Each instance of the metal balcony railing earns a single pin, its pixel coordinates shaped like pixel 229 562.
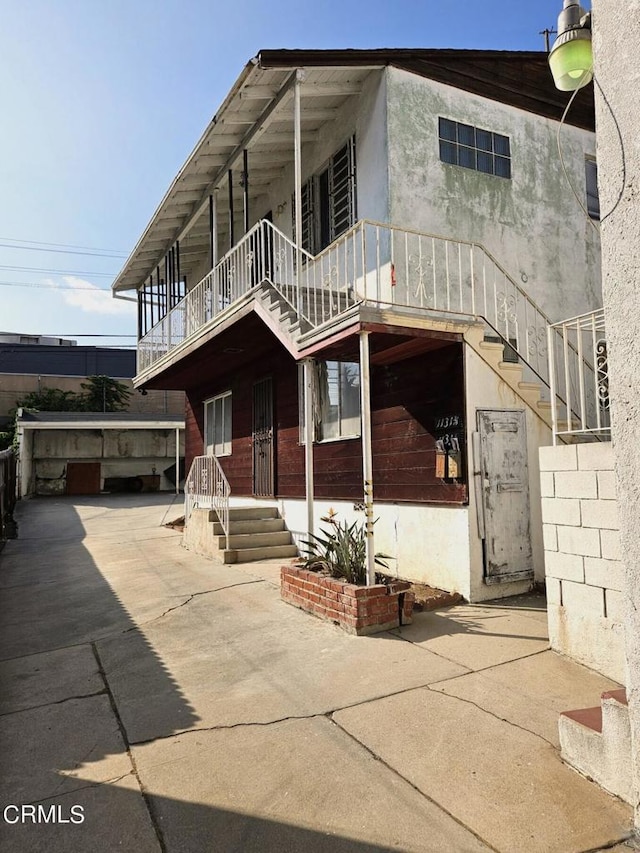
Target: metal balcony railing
pixel 207 487
pixel 579 377
pixel 380 265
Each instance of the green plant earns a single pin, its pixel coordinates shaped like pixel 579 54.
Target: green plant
pixel 341 551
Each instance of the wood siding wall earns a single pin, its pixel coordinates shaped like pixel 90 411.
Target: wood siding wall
pixel 407 398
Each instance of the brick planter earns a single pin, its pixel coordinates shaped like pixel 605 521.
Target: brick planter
pixel 357 609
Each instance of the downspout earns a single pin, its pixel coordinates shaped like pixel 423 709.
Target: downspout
pixel 367 454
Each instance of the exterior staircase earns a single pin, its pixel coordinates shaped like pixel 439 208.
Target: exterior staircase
pixel 255 533
pixel 597 743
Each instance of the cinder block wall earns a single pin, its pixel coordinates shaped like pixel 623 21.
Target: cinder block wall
pixel 582 555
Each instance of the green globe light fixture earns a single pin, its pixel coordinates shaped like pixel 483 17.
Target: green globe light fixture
pixel 571 57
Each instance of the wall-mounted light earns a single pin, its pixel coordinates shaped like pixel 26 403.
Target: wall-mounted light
pixel 571 57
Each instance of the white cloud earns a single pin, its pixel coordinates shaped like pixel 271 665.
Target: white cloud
pixel 80 293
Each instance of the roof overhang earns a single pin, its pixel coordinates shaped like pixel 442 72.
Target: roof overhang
pixel 257 116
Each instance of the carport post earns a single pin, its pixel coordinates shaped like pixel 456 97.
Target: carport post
pixel 367 454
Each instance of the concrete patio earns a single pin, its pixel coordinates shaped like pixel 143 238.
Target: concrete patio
pixel 186 708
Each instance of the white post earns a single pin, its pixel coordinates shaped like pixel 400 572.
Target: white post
pixel 297 158
pixel 367 455
pixel 214 228
pixel 308 442
pixel 177 460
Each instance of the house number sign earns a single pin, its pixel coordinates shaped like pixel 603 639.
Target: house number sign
pixel 448 456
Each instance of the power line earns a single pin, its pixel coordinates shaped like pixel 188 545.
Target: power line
pixel 61 245
pixel 63 251
pixel 57 272
pixel 53 288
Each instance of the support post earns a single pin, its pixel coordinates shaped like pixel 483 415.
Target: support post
pixel 213 229
pixel 297 159
pixel 308 442
pixel 245 188
pixel 367 455
pixel 177 460
pixel 232 240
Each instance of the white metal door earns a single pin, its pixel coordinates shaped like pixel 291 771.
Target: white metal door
pixel 504 480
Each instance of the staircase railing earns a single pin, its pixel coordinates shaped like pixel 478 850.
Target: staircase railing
pixel 207 487
pixel 575 347
pixel 378 264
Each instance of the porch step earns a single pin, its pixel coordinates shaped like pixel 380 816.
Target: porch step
pixel 255 540
pixel 597 742
pixel 259 525
pixel 250 555
pixel 246 513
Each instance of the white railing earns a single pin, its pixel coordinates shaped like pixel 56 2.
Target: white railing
pixel 207 487
pixel 373 263
pixel 263 254
pixel 579 377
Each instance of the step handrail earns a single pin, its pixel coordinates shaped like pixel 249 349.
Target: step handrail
pixel 207 487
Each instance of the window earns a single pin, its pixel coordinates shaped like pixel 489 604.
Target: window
pixel 329 200
pixel 593 199
pixel 473 148
pixel 217 425
pixel 336 400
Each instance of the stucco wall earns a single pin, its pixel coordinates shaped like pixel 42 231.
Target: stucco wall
pixel 584 575
pixel 531 223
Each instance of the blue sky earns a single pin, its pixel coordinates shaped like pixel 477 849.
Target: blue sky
pixel 102 102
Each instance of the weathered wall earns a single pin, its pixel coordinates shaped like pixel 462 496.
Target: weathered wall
pixel 584 574
pixel 121 453
pixel 616 46
pixel 532 224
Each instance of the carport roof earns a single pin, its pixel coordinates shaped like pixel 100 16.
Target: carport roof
pixel 99 420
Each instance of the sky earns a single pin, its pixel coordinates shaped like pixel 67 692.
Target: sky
pixel 102 102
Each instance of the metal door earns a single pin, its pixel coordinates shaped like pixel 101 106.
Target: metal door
pixel 263 443
pixel 504 488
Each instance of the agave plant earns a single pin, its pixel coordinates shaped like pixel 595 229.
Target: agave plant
pixel 340 550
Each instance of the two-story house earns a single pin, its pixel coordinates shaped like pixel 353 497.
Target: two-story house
pixel 352 277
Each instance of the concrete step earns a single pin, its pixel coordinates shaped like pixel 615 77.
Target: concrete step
pixel 259 525
pixel 244 513
pixel 597 742
pixel 250 555
pixel 256 540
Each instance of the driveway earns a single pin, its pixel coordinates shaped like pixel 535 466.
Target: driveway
pixel 152 700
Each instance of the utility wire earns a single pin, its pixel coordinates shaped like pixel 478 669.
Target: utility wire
pixel 56 272
pixel 54 288
pixel 61 245
pixel 63 251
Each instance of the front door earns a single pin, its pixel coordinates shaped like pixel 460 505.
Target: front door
pixel 505 496
pixel 263 440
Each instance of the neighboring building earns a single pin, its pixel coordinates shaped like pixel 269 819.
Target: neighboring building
pixel 435 244
pixel 33 363
pixel 84 453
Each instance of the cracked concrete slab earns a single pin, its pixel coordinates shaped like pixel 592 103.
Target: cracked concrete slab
pixel 242 656
pixel 506 784
pixel 243 791
pixel 115 818
pixel 481 635
pixel 55 749
pixel 48 677
pixel 531 692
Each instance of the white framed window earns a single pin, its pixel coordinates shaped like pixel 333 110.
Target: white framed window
pixel 474 148
pixel 336 401
pixel 217 425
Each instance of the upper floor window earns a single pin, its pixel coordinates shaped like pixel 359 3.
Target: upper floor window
pixel 217 425
pixel 329 200
pixel 593 199
pixel 474 148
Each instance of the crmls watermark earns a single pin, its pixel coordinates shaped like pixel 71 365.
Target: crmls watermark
pixel 42 814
